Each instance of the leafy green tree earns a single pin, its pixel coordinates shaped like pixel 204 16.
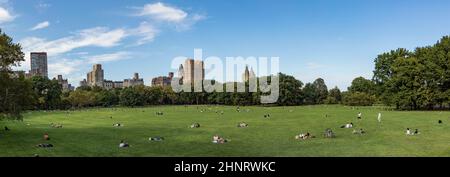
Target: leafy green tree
pixel 81 98
pixel 334 96
pixel 10 53
pixel 383 72
pixel 132 97
pixel 48 92
pixel 321 90
pixel 360 84
pixel 15 92
pixel 290 90
pixel 107 98
pixel 310 94
pixel 358 99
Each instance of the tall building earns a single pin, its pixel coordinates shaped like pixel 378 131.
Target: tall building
pixel 83 83
pixel 64 83
pixel 163 80
pixel 39 65
pixel 192 71
pixel 96 77
pixel 248 74
pixel 134 81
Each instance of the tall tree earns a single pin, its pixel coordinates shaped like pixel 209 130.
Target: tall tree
pixel 334 96
pixel 321 90
pixel 360 84
pixel 15 91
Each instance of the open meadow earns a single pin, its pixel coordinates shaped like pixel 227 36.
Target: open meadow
pixel 90 132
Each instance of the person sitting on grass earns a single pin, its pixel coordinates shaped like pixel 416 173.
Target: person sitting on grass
pixel 242 125
pixel 329 133
pixel 440 122
pixel 350 125
pixel 195 125
pixel 123 144
pixel 45 145
pixel 7 129
pixel 219 140
pixel 359 132
pixel 157 138
pixel 46 137
pixel 408 131
pixel 416 132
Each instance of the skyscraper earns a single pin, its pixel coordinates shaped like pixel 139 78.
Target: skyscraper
pixel 192 71
pixel 39 64
pixel 95 77
pixel 248 74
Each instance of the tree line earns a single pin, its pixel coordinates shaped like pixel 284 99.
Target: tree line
pixel 413 80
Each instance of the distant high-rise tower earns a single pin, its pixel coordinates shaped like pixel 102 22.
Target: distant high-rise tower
pixel 248 74
pixel 96 77
pixel 192 71
pixel 39 64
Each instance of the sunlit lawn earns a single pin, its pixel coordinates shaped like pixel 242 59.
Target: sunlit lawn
pixel 91 132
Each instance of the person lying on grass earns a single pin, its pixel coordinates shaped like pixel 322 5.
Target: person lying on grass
pixel 242 125
pixel 304 136
pixel 359 132
pixel 416 132
pixel 56 125
pixel 219 140
pixel 157 138
pixel 45 145
pixel 123 144
pixel 409 132
pixel 118 125
pixel 350 125
pixel 195 125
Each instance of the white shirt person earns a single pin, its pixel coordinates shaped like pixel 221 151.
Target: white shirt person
pixel 379 117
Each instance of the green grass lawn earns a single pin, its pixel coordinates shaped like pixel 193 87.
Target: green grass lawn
pixel 90 132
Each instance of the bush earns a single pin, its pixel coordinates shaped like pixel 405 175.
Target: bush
pixel 358 99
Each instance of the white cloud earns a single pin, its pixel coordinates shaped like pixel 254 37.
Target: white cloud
pixel 146 33
pixel 163 12
pixel 5 15
pixel 108 57
pixel 41 25
pixel 64 67
pixel 93 37
pixel 160 12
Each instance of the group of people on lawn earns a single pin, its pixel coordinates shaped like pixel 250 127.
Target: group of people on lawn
pixel 220 140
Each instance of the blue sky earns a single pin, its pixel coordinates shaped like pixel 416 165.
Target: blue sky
pixel 333 39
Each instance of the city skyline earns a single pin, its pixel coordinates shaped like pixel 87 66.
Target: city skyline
pixel 334 40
